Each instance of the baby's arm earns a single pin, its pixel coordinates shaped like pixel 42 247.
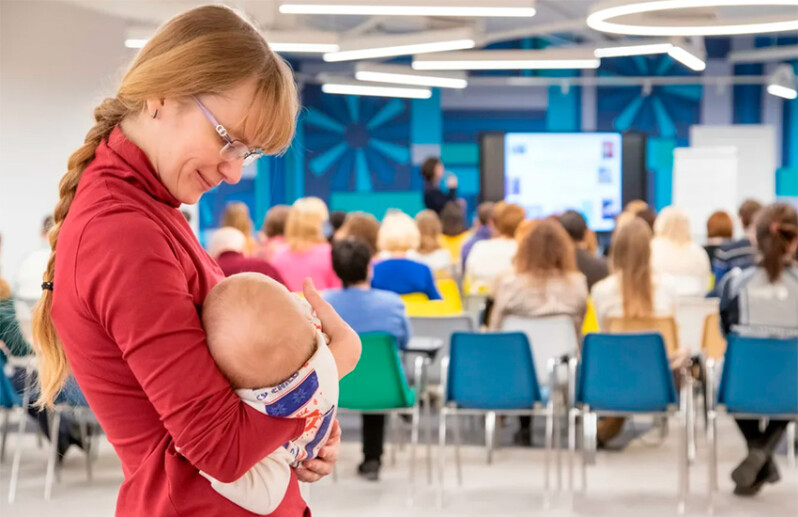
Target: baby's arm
pixel 262 488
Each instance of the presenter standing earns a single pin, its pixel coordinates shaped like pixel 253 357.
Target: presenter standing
pixel 434 198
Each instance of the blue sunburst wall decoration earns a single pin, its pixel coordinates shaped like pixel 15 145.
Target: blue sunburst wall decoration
pixel 666 111
pixel 355 144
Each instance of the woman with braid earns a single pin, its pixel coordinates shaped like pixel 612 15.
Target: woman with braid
pixel 127 278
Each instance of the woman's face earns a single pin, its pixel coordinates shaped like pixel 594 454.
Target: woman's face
pixel 438 171
pixel 185 145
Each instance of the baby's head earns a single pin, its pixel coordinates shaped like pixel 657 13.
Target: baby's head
pixel 258 333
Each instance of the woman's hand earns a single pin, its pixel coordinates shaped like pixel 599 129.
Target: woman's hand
pixel 313 470
pixel 451 182
pixel 343 341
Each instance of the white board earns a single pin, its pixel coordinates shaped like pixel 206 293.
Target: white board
pixel 756 154
pixel 705 180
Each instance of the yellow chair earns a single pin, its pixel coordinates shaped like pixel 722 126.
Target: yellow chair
pixel 450 293
pixel 713 343
pixel 590 323
pixel 665 326
pixel 418 305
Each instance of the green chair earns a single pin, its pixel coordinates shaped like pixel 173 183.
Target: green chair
pixel 378 385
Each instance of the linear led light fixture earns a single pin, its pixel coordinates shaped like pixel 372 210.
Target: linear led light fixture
pixel 608 17
pixel 289 42
pixel 782 83
pixel 371 47
pixel 348 86
pixel 397 74
pixel 460 8
pixel 550 59
pixel 690 53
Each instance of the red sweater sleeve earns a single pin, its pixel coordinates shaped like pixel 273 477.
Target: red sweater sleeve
pixel 137 286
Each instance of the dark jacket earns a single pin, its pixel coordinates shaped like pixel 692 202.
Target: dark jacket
pixel 435 199
pixel 594 268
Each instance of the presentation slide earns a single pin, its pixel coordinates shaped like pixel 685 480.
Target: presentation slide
pixel 548 173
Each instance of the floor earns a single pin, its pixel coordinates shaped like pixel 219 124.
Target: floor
pixel 639 480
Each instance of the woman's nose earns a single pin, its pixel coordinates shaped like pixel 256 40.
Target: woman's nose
pixel 231 170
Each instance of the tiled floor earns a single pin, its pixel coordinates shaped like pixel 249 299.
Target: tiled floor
pixel 639 481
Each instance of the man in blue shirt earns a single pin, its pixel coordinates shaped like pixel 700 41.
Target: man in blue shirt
pixel 366 310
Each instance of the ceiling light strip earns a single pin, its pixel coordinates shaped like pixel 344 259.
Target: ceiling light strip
pixel 410 10
pixel 376 91
pixel 399 50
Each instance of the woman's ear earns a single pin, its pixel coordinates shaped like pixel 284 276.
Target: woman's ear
pixel 154 107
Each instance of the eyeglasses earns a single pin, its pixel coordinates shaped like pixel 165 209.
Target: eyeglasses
pixel 233 149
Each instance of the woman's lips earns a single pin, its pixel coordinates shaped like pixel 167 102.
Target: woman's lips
pixel 207 183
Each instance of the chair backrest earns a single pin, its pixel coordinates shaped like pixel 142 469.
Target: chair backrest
pixel 760 376
pixel 691 313
pixel 491 371
pixel 625 372
pixel 713 342
pixel 8 395
pixel 664 325
pixel 550 337
pixel 378 381
pixel 437 333
pixel 590 323
pixel 450 292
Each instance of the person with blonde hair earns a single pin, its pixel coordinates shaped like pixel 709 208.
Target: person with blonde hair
pixel 307 253
pixel 633 290
pixel 674 253
pixel 430 251
pixel 394 270
pixel 236 215
pixel 494 256
pixel 120 306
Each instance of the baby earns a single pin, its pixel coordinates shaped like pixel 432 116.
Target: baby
pixel 269 345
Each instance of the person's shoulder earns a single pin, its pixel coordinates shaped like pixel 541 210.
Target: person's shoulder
pixel 604 287
pixel 387 298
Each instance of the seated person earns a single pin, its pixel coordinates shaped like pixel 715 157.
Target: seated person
pixel 489 258
pixel 394 271
pixel 764 297
pixel 270 373
pixel 673 253
pixel 366 310
pixel 430 251
pixel 741 253
pixel 227 248
pixel 594 268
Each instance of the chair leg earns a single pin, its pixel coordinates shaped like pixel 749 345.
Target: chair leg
pixel 490 434
pixel 572 414
pixel 547 452
pixel 683 456
pixel 51 462
pixel 691 418
pixel 441 453
pixel 413 445
pixel 428 431
pixel 394 433
pixel 4 436
pixel 713 459
pixel 589 421
pixel 86 441
pixel 457 444
pixel 556 414
pixel 791 444
pixel 23 420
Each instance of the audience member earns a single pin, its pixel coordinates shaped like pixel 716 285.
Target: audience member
pixel 482 230
pixel 489 258
pixel 28 283
pixel 227 248
pixel 741 253
pixel 13 342
pixel 592 266
pixel 434 198
pixel 307 253
pixel 649 216
pixel 720 230
pixel 362 226
pixel 633 290
pixel 272 234
pixel 525 228
pixel 454 231
pixel 366 309
pixel 674 253
pixel 395 272
pixel 429 250
pixel 635 206
pixel 764 296
pixel 236 215
pixel 337 218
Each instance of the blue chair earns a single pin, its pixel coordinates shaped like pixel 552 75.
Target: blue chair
pixel 486 375
pixel 758 380
pixel 625 375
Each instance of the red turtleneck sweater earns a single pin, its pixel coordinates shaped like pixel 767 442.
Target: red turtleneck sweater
pixel 130 279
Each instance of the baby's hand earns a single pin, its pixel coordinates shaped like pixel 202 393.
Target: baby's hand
pixel 343 341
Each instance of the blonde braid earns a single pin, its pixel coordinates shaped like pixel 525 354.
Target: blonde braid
pixel 52 362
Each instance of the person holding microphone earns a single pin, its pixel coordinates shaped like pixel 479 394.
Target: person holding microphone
pixel 434 198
